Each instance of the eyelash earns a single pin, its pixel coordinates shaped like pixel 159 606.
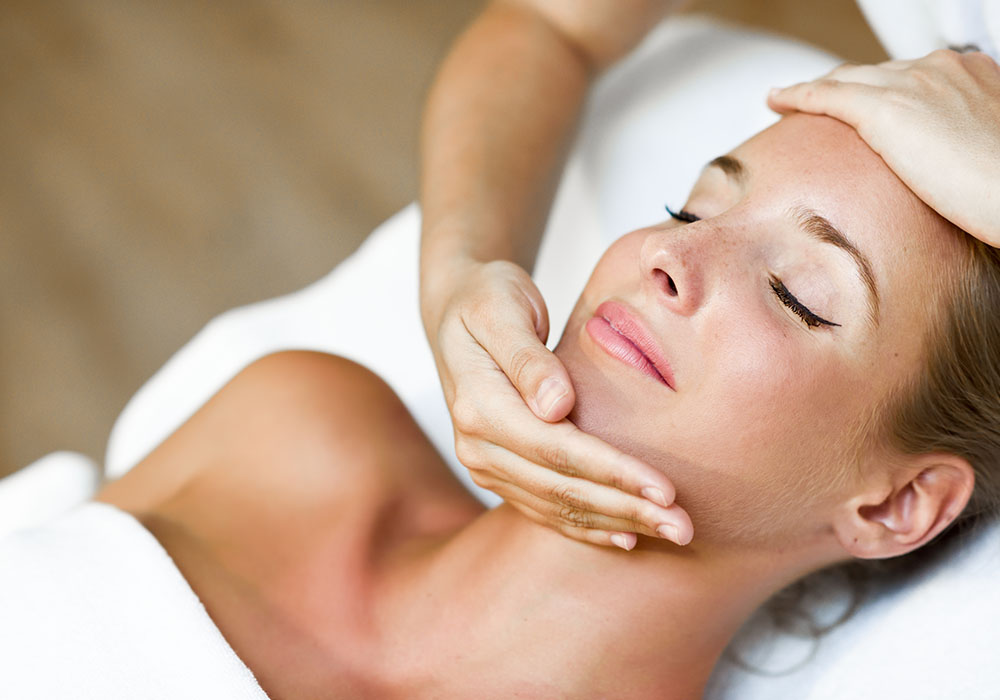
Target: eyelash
pixel 777 286
pixel 681 215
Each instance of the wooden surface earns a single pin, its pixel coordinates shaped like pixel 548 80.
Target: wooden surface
pixel 162 162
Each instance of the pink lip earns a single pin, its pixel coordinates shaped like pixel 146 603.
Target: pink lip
pixel 622 336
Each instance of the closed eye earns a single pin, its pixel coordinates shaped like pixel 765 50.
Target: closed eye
pixel 681 215
pixel 777 286
pixel 797 307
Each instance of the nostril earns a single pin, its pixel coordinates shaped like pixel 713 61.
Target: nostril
pixel 666 282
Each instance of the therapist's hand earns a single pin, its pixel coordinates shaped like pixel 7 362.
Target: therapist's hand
pixel 935 121
pixel 509 396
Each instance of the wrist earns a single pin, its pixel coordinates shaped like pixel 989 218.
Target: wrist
pixel 441 276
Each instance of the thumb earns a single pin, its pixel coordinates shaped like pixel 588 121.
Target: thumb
pixel 513 332
pixel 540 378
pixel 532 368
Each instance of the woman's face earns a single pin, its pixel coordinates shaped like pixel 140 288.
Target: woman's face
pixel 783 318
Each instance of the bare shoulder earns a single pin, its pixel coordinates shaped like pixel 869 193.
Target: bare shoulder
pixel 280 499
pixel 297 431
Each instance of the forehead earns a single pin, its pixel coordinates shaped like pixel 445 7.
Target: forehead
pixel 824 161
pixel 821 163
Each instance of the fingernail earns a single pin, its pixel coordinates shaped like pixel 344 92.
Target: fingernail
pixel 772 92
pixel 655 495
pixel 668 531
pixel 549 394
pixel 620 540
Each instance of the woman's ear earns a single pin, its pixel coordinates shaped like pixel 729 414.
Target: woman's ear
pixel 907 508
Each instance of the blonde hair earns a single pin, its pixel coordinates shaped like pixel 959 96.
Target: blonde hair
pixel 952 406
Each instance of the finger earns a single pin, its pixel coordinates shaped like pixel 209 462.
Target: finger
pixel 863 74
pixel 569 519
pixel 532 368
pixel 848 102
pixel 568 450
pixel 582 503
pixel 623 540
pixel 539 310
pixel 981 65
pixel 897 64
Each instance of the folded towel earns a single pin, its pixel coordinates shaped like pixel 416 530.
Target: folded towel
pixel 91 606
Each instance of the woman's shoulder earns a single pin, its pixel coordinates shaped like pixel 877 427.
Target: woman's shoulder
pixel 295 431
pixel 278 498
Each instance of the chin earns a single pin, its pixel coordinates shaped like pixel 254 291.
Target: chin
pixel 604 406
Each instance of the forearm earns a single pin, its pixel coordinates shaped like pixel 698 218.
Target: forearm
pixel 496 130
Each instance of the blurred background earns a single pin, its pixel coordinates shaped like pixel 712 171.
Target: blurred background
pixel 163 162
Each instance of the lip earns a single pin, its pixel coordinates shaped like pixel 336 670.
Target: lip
pixel 622 335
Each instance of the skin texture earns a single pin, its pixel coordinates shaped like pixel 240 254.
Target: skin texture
pixel 947 102
pixel 756 387
pixel 494 136
pixel 339 559
pixel 495 133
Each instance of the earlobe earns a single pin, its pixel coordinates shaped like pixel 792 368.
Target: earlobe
pixel 908 509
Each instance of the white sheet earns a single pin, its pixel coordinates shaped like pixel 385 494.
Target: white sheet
pixel 92 607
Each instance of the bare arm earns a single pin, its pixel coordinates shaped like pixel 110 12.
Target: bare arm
pixel 497 127
pixel 499 120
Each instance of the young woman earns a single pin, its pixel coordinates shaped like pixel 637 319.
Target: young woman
pixel 495 131
pixel 806 355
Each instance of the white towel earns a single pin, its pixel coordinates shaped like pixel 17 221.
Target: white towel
pixel 45 489
pixel 91 606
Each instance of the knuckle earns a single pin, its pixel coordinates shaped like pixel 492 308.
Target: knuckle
pixel 812 94
pixel 522 362
pixel 465 415
pixel 842 68
pixel 573 517
pixel 979 60
pixel 558 458
pixel 616 477
pixel 944 56
pixel 883 115
pixel 466 452
pixel 978 56
pixel 916 80
pixel 644 515
pixel 616 480
pixel 568 496
pixel 482 479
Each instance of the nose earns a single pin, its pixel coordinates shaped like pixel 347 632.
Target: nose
pixel 675 267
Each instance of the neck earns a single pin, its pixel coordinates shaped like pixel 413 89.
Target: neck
pixel 506 598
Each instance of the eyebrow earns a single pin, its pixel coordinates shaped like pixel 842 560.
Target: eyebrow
pixel 732 167
pixel 820 228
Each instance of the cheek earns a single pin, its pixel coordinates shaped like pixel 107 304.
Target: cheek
pixel 778 398
pixel 760 444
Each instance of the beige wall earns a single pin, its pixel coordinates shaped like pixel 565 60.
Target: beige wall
pixel 162 162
